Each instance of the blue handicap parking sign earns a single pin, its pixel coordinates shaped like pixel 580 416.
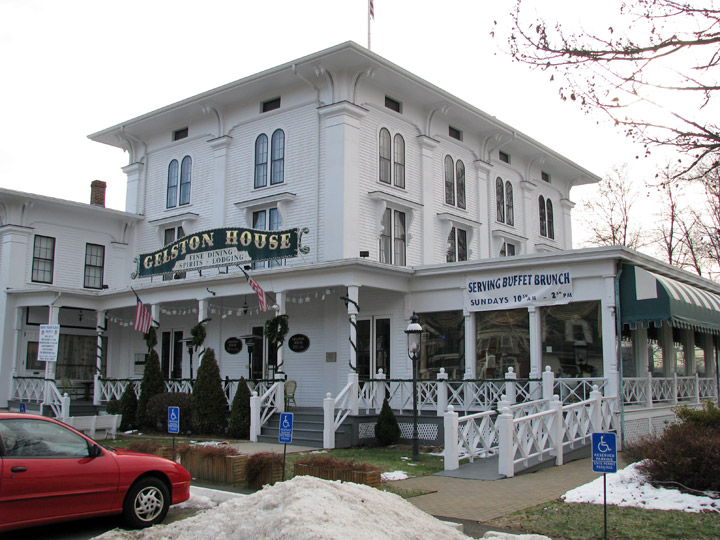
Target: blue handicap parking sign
pixel 286 428
pixel 23 407
pixel 604 452
pixel 173 419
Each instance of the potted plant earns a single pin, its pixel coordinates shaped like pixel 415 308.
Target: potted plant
pixel 330 468
pixel 222 464
pixel 263 468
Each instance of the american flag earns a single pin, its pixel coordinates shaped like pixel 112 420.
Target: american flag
pixel 143 318
pixel 372 9
pixel 262 301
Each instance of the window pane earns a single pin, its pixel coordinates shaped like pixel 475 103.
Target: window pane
pixel 277 166
pixel 543 222
pixel 503 341
pixel 461 245
pixel 259 220
pixel 399 236
pixel 460 182
pixel 384 156
pixel 399 161
pixel 94 262
pixel 443 344
pixel 449 180
pixel 385 244
pixel 451 247
pixel 261 158
pixel 500 200
pixel 509 204
pixel 185 179
pixel 172 184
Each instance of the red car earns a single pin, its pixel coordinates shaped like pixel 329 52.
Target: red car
pixel 49 472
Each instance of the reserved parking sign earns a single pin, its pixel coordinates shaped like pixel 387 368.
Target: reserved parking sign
pixel 604 452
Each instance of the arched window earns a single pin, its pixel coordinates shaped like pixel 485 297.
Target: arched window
pixel 172 184
pixel 277 163
pixel 550 220
pixel 500 199
pixel 460 183
pixel 385 156
pixel 543 216
pixel 261 160
pixel 449 180
pixel 399 161
pixel 509 204
pixel 185 180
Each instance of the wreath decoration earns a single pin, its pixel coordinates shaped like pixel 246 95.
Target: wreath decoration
pixel 198 333
pixel 276 329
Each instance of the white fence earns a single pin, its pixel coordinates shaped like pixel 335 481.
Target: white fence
pixel 652 391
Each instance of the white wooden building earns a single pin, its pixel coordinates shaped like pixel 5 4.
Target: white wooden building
pixel 407 199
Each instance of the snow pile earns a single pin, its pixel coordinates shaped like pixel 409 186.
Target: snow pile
pixel 305 508
pixel 392 476
pixel 627 488
pixel 495 535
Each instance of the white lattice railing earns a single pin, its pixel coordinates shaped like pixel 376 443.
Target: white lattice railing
pixel 476 436
pixel 650 391
pixel 574 390
pixel 28 389
pixel 337 409
pixel 264 406
pixel 58 403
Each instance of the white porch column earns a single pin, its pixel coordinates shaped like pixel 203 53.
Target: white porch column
pixel 610 343
pixel 470 348
pixel 535 342
pixel 640 351
pixel 50 366
pixel 352 309
pixel 668 350
pixel 709 355
pixel 688 342
pixel 281 298
pixel 100 328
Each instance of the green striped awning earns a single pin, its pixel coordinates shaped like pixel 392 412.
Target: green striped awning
pixel 646 297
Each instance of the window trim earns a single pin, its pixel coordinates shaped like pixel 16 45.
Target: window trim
pixel 449 168
pixel 35 258
pixel 185 181
pixel 385 156
pixel 277 163
pixel 88 266
pixel 179 182
pixel 260 169
pixel 542 216
pixel 173 181
pixel 398 161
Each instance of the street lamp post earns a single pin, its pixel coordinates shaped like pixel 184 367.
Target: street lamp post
pixel 414 336
pixel 190 349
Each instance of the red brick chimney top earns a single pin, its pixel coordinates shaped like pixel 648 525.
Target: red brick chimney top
pixel 97 192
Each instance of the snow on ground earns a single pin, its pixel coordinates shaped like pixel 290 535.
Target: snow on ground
pixel 304 508
pixel 627 488
pixel 394 475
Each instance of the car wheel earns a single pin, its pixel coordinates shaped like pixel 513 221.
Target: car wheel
pixel 146 503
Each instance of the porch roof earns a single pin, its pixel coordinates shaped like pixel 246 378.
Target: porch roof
pixel 647 297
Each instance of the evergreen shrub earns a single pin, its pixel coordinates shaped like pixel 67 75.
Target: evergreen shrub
pixel 157 410
pixel 387 431
pixel 152 384
pixel 128 408
pixel 240 412
pixel 208 402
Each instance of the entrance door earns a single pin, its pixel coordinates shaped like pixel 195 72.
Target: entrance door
pixel 264 357
pixel 373 346
pixel 171 352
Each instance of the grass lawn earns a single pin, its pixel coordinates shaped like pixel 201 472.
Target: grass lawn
pixel 563 521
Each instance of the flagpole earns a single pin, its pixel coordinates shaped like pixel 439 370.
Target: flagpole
pixel 369 14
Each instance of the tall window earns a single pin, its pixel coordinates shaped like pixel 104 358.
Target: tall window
pixel 399 168
pixel 507 250
pixel 504 202
pixel 392 238
pixel 543 216
pixel 460 183
pixel 277 159
pixel 43 259
pixel 385 154
pixel 261 160
pixel 172 234
pixel 94 266
pixel 550 219
pixel 267 220
pixel 277 165
pixel 184 171
pixel 449 180
pixel 457 245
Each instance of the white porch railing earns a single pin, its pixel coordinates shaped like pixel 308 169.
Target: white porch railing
pixel 652 391
pixel 28 389
pixel 263 407
pixel 336 410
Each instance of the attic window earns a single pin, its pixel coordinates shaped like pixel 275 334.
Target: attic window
pixel 545 176
pixel 180 134
pixel 395 105
pixel 271 105
pixel 455 133
pixel 505 158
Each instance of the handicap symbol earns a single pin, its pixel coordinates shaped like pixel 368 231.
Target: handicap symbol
pixel 286 422
pixel 602 445
pixel 173 415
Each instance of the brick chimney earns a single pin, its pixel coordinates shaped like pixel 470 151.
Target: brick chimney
pixel 97 192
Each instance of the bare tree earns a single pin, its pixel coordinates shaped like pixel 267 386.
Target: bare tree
pixel 658 85
pixel 708 220
pixel 608 214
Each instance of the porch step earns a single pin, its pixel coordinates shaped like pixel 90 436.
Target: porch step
pixel 307 429
pixel 78 407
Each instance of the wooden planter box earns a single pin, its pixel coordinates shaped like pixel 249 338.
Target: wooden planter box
pixel 219 469
pixel 270 475
pixel 369 478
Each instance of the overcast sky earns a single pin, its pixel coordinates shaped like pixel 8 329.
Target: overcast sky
pixel 74 67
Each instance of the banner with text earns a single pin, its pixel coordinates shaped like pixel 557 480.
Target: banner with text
pixel 219 247
pixel 509 290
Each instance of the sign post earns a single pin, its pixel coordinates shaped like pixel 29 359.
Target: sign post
pixel 285 433
pixel 173 423
pixel 604 460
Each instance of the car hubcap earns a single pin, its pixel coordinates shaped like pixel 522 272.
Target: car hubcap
pixel 148 504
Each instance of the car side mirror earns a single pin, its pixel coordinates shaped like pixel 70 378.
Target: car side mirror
pixel 94 451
